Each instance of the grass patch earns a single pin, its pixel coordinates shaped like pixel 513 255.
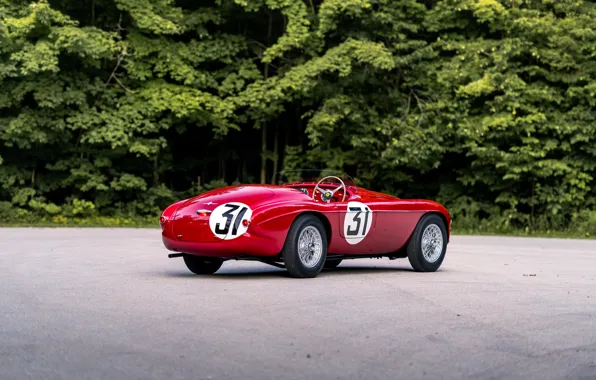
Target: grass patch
pixel 484 228
pixel 99 221
pixel 579 227
pixel 572 234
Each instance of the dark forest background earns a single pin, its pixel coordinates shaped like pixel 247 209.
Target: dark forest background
pixel 117 108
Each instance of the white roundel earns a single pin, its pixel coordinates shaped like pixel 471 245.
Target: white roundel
pixel 226 220
pixel 357 222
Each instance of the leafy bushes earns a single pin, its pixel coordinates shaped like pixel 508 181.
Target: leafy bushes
pixel 116 108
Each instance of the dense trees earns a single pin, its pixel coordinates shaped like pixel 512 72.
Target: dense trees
pixel 118 107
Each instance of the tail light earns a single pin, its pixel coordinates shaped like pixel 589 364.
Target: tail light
pixel 203 212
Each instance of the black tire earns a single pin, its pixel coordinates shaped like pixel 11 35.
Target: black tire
pixel 202 265
pixel 414 248
pixel 290 255
pixel 330 264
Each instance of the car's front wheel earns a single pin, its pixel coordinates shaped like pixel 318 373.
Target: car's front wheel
pixel 305 250
pixel 202 265
pixel 428 244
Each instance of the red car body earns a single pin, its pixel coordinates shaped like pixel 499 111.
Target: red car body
pixel 260 231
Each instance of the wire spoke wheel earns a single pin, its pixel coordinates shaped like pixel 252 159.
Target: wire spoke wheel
pixel 432 243
pixel 310 246
pixel 305 249
pixel 428 244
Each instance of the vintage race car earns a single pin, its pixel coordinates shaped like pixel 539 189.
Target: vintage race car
pixel 304 224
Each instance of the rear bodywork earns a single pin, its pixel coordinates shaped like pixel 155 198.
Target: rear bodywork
pixel 253 220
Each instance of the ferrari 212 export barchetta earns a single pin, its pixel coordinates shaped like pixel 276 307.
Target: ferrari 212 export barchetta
pixel 304 225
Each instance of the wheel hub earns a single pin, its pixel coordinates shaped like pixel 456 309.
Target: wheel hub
pixel 432 243
pixel 310 246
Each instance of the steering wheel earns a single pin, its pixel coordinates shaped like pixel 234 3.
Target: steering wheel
pixel 326 194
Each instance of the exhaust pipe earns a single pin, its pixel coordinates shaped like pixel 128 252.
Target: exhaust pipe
pixel 172 255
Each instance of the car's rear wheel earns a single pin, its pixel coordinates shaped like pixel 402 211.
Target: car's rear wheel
pixel 202 265
pixel 305 249
pixel 428 244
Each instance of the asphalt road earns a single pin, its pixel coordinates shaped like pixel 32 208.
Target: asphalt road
pixel 109 304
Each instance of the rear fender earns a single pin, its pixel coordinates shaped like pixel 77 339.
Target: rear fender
pixel 276 223
pixel 168 215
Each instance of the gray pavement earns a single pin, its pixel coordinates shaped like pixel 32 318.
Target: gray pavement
pixel 109 304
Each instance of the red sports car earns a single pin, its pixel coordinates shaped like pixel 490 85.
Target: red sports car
pixel 304 226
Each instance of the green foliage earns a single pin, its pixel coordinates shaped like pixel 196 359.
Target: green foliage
pixel 116 108
pixel 527 134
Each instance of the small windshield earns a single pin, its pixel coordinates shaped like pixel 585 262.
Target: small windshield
pixel 286 177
